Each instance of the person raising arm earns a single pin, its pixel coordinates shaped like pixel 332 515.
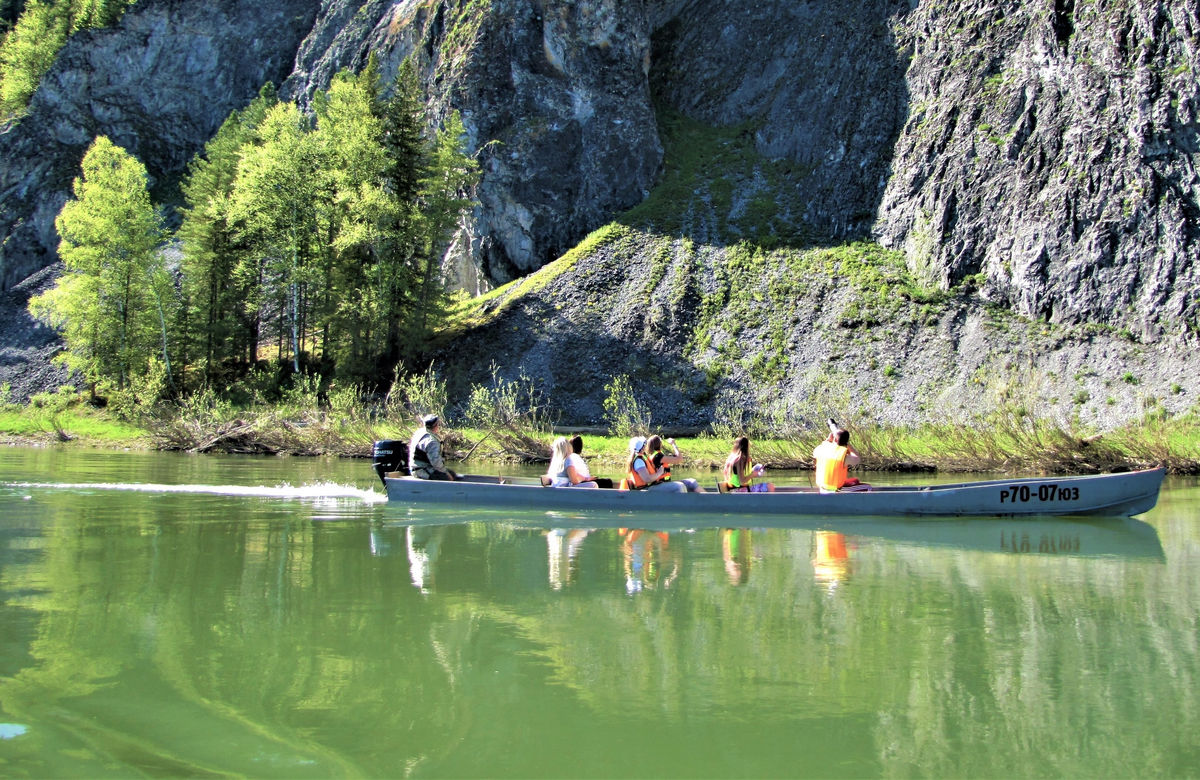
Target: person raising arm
pixel 659 459
pixel 832 458
pixel 640 473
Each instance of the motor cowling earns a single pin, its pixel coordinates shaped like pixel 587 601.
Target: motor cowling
pixel 389 455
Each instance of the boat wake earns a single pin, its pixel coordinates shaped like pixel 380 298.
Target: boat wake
pixel 318 492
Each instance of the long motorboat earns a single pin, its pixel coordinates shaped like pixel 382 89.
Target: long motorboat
pixel 1100 495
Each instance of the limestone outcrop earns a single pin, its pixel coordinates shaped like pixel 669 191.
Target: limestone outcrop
pixel 1035 156
pixel 1052 148
pixel 554 97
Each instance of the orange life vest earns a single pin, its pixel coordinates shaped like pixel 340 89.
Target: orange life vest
pixel 633 480
pixel 831 466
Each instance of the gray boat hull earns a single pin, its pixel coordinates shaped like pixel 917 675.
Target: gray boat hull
pixel 1100 495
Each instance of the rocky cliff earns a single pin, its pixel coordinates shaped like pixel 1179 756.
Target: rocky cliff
pixel 1033 158
pixel 158 85
pixel 1051 147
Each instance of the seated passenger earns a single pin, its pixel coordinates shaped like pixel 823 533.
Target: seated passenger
pixel 563 472
pixel 739 471
pixel 659 459
pixel 833 456
pixel 576 459
pixel 640 473
pixel 425 451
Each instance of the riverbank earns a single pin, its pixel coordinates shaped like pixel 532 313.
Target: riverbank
pixel 1014 445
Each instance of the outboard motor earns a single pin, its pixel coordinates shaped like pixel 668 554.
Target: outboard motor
pixel 388 456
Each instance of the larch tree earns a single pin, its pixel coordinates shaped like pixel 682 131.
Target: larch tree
pixel 276 198
pixel 445 196
pixel 115 296
pixel 27 53
pixel 362 211
pixel 221 279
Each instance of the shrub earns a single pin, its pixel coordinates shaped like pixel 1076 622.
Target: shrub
pixel 622 411
pixel 413 395
pixel 142 394
pixel 503 403
pixel 304 394
pixel 345 400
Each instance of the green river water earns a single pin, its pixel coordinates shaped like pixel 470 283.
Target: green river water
pixel 173 615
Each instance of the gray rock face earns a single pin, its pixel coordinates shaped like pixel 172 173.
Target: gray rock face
pixel 553 95
pixel 159 85
pixel 28 347
pixel 1052 148
pixel 1048 150
pixel 820 84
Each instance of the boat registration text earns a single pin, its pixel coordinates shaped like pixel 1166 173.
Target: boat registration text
pixel 1020 494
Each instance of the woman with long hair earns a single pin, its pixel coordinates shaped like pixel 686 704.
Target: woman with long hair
pixel 640 473
pixel 739 470
pixel 562 471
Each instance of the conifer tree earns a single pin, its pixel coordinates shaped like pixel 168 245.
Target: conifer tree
pixel 10 11
pixel 350 136
pixel 401 250
pixel 28 52
pixel 113 300
pixel 95 13
pixel 276 199
pixel 38 30
pixel 446 195
pixel 221 283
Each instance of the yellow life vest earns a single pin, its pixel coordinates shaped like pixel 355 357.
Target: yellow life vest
pixel 732 479
pixel 831 466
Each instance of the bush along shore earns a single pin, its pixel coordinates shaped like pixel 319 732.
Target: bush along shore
pixel 505 422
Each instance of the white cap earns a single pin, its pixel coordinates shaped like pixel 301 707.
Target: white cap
pixel 637 443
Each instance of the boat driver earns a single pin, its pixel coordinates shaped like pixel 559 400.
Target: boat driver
pixel 425 451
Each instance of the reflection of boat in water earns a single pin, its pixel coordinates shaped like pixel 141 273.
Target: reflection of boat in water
pixel 1049 536
pixel 1104 495
pixel 1116 537
pixel 831 558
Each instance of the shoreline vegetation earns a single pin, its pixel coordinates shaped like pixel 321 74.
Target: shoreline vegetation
pixel 499 424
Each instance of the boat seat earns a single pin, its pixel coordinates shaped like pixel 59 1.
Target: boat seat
pixel 545 481
pixel 722 487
